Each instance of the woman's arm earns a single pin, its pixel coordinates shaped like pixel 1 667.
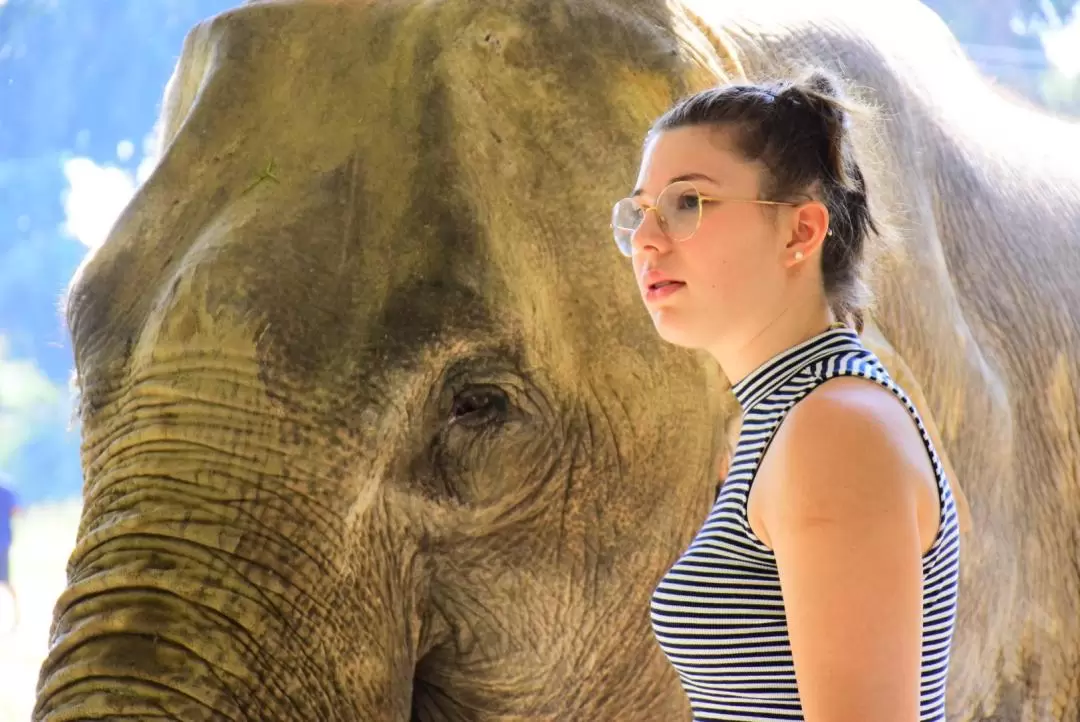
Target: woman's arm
pixel 846 476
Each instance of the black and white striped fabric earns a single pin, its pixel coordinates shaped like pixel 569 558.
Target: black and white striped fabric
pixel 718 613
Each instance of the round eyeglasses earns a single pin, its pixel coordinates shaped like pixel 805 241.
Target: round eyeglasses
pixel 678 211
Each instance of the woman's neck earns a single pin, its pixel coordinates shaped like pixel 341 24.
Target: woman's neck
pixel 739 357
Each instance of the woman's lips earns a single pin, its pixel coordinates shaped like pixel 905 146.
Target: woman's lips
pixel 662 289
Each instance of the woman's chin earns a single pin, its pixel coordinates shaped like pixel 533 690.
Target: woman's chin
pixel 675 330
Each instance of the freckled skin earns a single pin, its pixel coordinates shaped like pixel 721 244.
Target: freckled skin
pixel 388 434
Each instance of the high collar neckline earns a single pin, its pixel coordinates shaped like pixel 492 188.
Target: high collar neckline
pixel 773 373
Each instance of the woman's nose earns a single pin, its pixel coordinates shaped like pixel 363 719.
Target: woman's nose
pixel 650 236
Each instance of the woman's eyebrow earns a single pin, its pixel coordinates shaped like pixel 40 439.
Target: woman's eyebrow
pixel 676 179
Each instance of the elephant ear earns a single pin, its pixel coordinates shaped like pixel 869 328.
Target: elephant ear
pixel 875 340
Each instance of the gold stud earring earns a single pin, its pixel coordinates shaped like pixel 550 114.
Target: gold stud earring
pixel 798 255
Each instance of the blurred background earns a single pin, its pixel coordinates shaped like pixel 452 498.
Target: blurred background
pixel 80 86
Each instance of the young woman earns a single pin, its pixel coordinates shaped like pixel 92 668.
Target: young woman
pixel 822 586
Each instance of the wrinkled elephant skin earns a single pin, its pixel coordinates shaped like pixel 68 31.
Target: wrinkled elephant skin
pixel 376 427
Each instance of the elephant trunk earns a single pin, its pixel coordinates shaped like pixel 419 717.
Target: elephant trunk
pixel 216 579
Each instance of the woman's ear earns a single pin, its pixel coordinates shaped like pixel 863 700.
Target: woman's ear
pixel 809 228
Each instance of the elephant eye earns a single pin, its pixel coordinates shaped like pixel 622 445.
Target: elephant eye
pixel 479 405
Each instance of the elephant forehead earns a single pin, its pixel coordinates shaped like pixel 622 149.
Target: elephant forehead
pixel 342 176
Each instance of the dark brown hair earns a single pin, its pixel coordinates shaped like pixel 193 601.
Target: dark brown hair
pixel 799 131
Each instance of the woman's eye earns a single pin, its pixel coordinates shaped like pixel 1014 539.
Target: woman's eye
pixel 689 202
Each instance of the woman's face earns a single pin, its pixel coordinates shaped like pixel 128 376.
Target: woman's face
pixel 732 273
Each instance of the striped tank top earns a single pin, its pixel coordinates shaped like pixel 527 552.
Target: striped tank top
pixel 718 613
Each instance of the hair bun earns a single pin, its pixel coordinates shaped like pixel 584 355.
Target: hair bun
pixel 821 83
pixel 819 93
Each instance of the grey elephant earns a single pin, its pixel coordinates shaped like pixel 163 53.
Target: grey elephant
pixel 376 427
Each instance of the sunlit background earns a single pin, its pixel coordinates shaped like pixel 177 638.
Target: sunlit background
pixel 80 85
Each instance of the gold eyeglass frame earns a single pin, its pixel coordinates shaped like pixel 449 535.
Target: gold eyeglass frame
pixel 662 222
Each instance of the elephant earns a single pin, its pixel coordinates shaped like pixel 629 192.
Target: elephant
pixel 375 424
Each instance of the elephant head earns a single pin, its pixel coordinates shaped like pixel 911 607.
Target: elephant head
pixel 375 425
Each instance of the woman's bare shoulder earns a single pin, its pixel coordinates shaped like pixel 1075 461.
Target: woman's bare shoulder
pixel 848 437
